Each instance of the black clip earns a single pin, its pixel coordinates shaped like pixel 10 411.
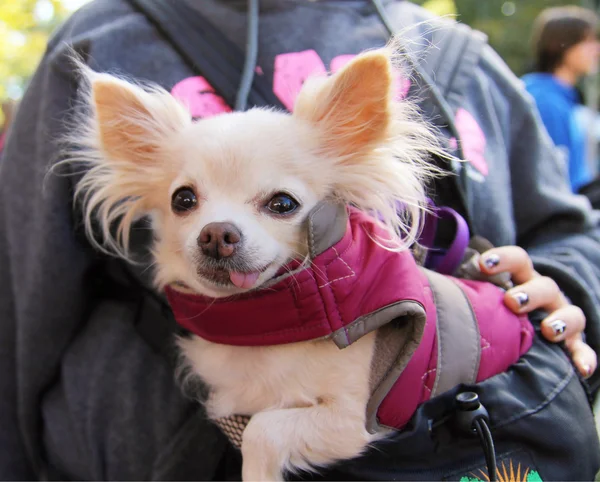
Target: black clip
pixel 469 409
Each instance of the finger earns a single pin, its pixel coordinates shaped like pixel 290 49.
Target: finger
pixel 511 259
pixel 540 292
pixel 584 358
pixel 564 323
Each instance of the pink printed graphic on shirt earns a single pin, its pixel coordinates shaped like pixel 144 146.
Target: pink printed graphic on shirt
pixel 200 97
pixel 340 61
pixel 473 140
pixel 402 87
pixel 291 71
pixel 452 143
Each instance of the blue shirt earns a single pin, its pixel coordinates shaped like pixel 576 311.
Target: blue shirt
pixel 557 103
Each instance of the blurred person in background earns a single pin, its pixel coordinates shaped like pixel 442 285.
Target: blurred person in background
pixel 566 49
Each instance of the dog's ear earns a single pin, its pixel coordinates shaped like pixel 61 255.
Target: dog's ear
pixel 376 149
pixel 353 108
pixel 132 123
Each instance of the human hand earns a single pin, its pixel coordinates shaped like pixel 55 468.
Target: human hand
pixel 565 322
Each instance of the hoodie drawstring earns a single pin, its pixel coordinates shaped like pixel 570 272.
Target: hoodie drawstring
pixel 241 101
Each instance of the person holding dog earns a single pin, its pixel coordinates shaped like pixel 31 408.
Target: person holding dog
pixel 566 49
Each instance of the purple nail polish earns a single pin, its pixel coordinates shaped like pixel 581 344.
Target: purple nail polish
pixel 522 298
pixel 558 327
pixel 492 261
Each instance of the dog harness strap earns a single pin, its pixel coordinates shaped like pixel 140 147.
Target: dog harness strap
pixel 233 427
pixel 445 261
pixel 458 338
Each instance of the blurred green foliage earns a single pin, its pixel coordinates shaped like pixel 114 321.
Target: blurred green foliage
pixel 25 26
pixel 507 23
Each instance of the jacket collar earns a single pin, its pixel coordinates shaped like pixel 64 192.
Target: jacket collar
pixel 342 293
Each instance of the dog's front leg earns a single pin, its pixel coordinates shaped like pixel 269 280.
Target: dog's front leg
pixel 301 438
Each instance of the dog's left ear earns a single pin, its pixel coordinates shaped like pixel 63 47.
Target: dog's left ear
pixel 353 108
pixel 133 124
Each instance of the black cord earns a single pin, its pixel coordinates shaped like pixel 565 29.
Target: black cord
pixel 487 441
pixel 241 101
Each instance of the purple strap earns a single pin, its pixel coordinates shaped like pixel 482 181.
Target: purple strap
pixel 444 261
pixel 429 227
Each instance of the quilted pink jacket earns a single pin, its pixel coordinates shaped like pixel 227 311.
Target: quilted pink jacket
pixel 463 331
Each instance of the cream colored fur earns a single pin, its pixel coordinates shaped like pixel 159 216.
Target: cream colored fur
pixel 307 399
pixel 347 139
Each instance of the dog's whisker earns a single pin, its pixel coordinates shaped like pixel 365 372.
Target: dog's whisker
pixel 149 267
pixel 307 262
pixel 292 276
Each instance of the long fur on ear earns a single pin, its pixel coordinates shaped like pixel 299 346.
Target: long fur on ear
pixel 120 142
pixel 380 146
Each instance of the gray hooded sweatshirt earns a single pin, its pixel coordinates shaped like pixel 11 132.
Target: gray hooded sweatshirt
pixel 83 395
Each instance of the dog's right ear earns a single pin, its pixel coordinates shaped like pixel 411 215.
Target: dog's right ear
pixel 133 124
pixel 352 108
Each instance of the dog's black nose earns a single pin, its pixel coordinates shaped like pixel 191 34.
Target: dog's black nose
pixel 219 240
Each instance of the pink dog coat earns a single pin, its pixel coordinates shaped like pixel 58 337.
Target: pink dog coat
pixel 452 330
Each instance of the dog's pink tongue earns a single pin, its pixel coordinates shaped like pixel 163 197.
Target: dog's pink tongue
pixel 244 280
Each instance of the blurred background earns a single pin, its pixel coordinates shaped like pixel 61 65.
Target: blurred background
pixel 25 26
pixel 507 23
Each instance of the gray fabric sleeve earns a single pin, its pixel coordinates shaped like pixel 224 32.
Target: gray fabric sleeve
pixel 13 461
pixel 80 387
pixel 36 241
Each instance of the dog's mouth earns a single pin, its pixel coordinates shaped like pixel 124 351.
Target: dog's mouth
pixel 242 279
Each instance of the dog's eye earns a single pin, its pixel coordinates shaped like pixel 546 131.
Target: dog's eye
pixel 282 203
pixel 183 200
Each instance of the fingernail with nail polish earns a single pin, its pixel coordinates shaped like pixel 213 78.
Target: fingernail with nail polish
pixel 522 298
pixel 558 327
pixel 492 261
pixel 588 370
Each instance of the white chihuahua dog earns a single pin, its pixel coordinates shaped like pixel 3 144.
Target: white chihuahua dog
pixel 228 198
